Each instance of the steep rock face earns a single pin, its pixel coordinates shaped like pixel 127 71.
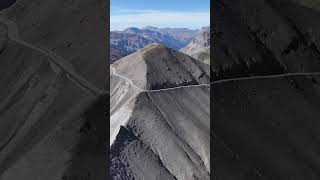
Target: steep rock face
pixel 263 37
pixel 156 67
pixel 52 118
pixel 199 47
pixel 166 131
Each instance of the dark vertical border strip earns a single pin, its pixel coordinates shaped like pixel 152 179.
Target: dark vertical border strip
pixel 213 15
pixel 107 99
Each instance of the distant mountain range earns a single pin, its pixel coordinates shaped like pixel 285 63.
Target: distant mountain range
pixel 124 43
pixel 184 35
pixel 131 39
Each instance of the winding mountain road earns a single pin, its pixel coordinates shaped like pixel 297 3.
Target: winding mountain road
pixel 13 34
pixel 113 70
pixel 59 61
pixel 266 77
pixel 215 82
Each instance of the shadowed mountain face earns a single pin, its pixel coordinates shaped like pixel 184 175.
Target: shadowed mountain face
pixel 159 116
pixel 199 47
pixel 6 3
pixel 265 128
pixel 265 37
pixel 52 95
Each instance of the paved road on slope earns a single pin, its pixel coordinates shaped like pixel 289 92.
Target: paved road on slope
pixel 113 70
pixel 218 81
pixel 266 77
pixel 59 61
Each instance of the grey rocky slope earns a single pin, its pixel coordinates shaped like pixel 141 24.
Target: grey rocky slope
pixel 265 128
pixel 132 39
pixel 159 116
pixel 52 105
pixel 199 47
pixel 264 37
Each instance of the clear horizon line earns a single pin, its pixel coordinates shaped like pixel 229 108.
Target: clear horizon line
pixel 159 28
pixel 161 19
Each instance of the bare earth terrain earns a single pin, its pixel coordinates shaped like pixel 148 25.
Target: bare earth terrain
pixel 53 91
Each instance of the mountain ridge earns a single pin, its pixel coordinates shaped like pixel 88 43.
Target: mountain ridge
pixel 157 66
pixel 156 116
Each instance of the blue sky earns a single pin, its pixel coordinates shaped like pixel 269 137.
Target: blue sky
pixel 191 14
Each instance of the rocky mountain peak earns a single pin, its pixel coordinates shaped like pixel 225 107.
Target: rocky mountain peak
pixel 131 30
pixel 157 66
